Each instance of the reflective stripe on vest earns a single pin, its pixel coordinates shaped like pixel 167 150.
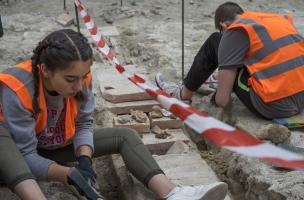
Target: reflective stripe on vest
pixel 275 56
pixel 270 45
pixel 17 78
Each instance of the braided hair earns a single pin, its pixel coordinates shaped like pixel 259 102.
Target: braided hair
pixel 57 51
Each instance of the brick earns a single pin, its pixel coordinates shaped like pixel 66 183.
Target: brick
pixel 116 88
pixel 65 19
pixel 166 122
pixel 126 107
pixel 139 127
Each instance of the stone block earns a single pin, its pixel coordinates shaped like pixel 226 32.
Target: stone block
pixel 179 147
pixel 116 88
pixel 161 146
pixel 183 169
pixel 65 19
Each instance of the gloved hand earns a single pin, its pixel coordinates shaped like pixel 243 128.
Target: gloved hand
pixel 76 177
pixel 85 168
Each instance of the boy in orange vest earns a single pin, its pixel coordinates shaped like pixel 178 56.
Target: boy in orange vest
pixel 260 57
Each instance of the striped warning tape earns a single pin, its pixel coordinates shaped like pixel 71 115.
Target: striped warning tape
pixel 216 131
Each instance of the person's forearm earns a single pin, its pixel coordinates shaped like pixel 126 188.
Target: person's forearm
pixel 58 173
pixel 221 100
pixel 226 80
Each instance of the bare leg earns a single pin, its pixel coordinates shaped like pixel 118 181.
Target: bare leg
pixel 160 185
pixel 58 173
pixel 29 190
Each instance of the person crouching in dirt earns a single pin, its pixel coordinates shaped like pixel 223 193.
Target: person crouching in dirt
pixel 47 106
pixel 260 57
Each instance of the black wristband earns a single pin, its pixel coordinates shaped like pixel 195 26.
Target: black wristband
pixel 84 161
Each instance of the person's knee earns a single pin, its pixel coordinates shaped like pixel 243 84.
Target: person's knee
pixel 4 133
pixel 131 135
pixel 15 179
pixel 216 36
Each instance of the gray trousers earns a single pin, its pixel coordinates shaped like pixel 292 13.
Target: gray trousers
pixel 13 168
pixel 124 141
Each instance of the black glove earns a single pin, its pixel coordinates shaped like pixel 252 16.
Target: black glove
pixel 85 168
pixel 83 185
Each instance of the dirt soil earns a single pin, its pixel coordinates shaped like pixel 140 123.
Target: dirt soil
pixel 150 38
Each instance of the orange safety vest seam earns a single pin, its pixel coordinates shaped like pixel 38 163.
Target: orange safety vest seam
pixel 26 99
pixel 275 56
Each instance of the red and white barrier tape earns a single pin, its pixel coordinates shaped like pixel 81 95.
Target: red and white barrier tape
pixel 218 132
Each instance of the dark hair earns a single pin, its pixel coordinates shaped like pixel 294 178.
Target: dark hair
pixel 226 12
pixel 57 51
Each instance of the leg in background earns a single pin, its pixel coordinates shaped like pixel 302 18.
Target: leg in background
pixel 204 64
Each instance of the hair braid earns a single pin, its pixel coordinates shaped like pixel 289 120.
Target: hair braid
pixel 35 70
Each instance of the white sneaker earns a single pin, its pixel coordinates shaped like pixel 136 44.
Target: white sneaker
pixel 169 87
pixel 210 85
pixel 214 191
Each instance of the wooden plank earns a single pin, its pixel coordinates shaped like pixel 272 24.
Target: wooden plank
pixel 126 107
pixel 117 88
pixel 161 146
pixel 166 122
pixel 139 127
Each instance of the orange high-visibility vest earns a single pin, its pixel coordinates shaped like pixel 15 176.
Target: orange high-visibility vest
pixel 275 59
pixel 15 78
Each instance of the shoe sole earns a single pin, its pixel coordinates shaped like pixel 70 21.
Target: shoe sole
pixel 217 192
